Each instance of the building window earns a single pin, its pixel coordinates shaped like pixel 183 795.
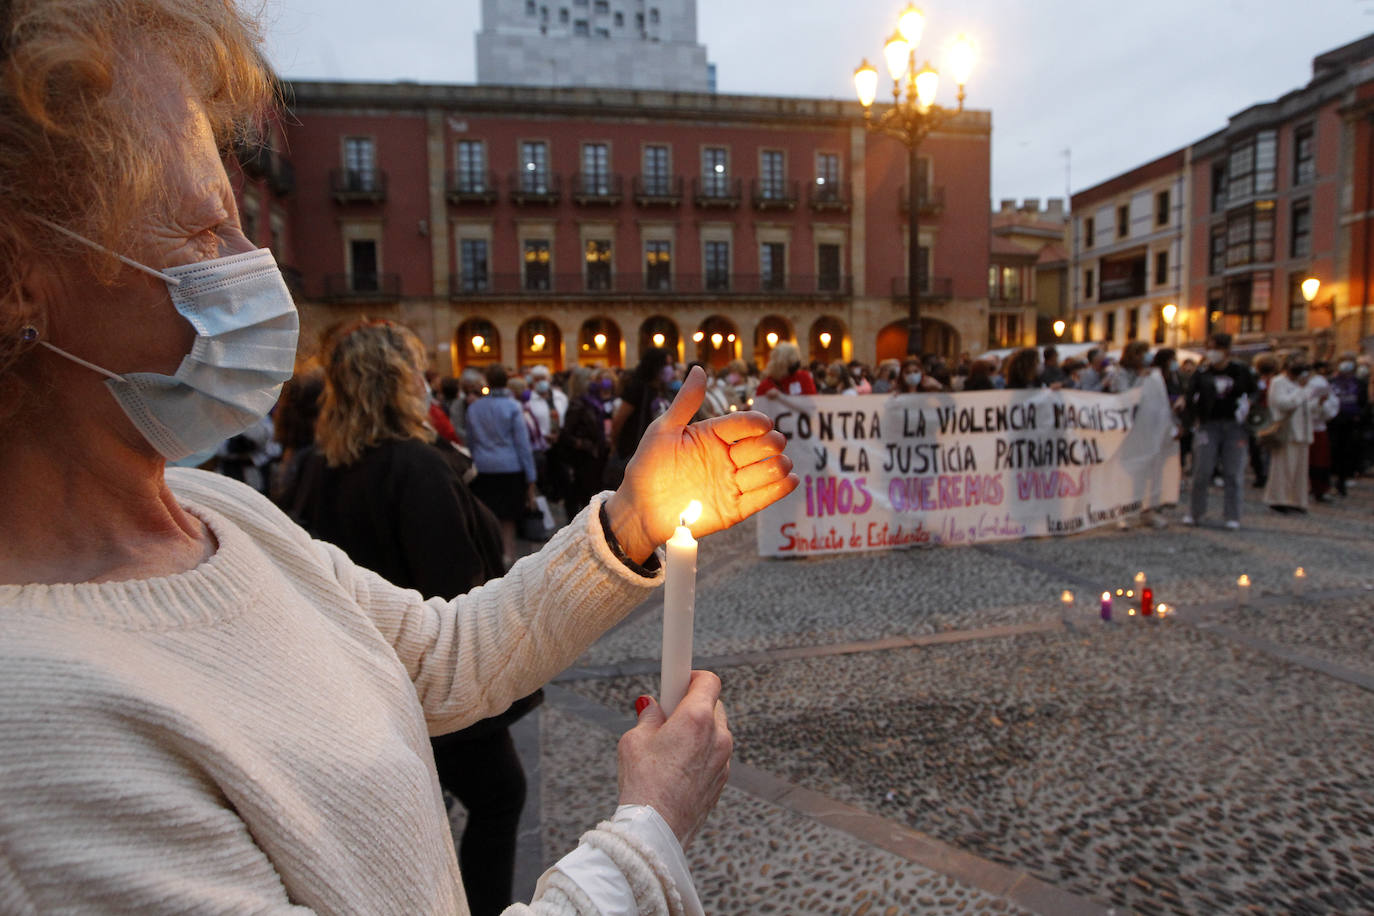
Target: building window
pixel 828 267
pixel 1088 283
pixel 598 257
pixel 827 176
pixel 772 265
pixel 653 16
pixel 658 258
pixel 601 8
pixel 1087 327
pixel 715 175
pixel 473 259
pixel 1111 327
pixel 362 266
pixel 1160 325
pixel 1218 186
pixel 603 33
pixel 563 16
pixel 582 28
pixel 1250 235
pixel 619 20
pixel 1304 159
pixel 1250 167
pixel 1301 243
pixel 1217 262
pixel 1297 305
pixel 534 167
pixel 993 271
pixel 1003 330
pixel 1132 323
pixel 596 168
pixel 1088 232
pixel 360 164
pixel 537 257
pixel 771 174
pixel 1011 283
pixel 656 170
pixel 1161 268
pixel 1162 208
pixel 717 265
pixel 530 7
pixel 1123 221
pixel 1244 295
pixel 472 166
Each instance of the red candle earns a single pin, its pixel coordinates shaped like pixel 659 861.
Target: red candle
pixel 1147 602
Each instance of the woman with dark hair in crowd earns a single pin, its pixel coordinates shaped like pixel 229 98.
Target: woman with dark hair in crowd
pixel 979 376
pixel 643 397
pixel 390 493
pixel 581 447
pixel 1023 368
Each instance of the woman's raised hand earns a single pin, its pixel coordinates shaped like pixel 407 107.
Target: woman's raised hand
pixel 733 465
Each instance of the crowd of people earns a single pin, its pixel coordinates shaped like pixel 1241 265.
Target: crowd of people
pixel 580 426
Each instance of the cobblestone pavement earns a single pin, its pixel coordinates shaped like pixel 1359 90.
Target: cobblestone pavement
pixel 919 732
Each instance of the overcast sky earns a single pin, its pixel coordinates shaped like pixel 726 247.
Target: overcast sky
pixel 1113 82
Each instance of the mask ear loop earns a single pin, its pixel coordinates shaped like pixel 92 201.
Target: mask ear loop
pixel 29 334
pixel 168 278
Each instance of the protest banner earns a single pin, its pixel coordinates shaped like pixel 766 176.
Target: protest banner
pixel 885 471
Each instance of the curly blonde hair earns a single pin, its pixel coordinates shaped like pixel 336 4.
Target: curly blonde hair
pixel 79 140
pixel 373 390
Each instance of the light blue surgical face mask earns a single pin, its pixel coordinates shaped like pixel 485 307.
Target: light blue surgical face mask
pixel 245 349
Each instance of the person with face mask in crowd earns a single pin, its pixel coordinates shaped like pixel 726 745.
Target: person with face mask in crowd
pixel 1293 402
pixel 784 374
pixel 1344 428
pixel 1212 406
pixel 645 395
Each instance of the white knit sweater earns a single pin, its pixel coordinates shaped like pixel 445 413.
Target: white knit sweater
pixel 251 736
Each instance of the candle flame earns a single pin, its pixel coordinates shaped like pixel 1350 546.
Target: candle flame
pixel 1300 573
pixel 1120 592
pixel 1130 593
pixel 691 513
pixel 1130 612
pixel 1067 597
pixel 1106 596
pixel 1139 578
pixel 1243 581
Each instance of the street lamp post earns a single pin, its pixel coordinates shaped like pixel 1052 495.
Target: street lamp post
pixel 911 119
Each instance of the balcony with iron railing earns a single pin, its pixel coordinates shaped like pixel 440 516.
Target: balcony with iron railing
pixel 657 191
pixel 774 195
pixel 934 289
pixel 472 188
pixel 930 201
pixel 362 286
pixel 357 185
pixel 597 189
pixel 535 189
pixel 832 196
pixel 717 192
pixel 599 284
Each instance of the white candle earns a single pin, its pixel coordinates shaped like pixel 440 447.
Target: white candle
pixel 679 609
pixel 1243 588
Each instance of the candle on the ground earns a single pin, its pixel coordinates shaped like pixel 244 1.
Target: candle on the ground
pixel 1140 579
pixel 1147 601
pixel 679 609
pixel 1106 605
pixel 1066 599
pixel 1243 588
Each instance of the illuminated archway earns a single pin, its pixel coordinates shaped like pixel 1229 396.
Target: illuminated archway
pixel 660 331
pixel 772 330
pixel 936 337
pixel 539 343
pixel 599 344
pixel 479 343
pixel 828 340
pixel 717 341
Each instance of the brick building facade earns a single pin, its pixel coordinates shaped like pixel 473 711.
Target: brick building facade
pixel 579 226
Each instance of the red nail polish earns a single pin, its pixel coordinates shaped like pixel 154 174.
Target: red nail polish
pixel 641 704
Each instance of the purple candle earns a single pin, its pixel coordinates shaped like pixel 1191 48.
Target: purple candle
pixel 1106 605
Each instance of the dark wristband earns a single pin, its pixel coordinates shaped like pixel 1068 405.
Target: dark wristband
pixel 650 567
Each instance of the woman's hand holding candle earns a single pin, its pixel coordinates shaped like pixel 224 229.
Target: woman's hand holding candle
pixel 732 464
pixel 679 766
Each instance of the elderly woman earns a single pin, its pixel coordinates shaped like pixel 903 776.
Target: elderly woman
pixel 203 709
